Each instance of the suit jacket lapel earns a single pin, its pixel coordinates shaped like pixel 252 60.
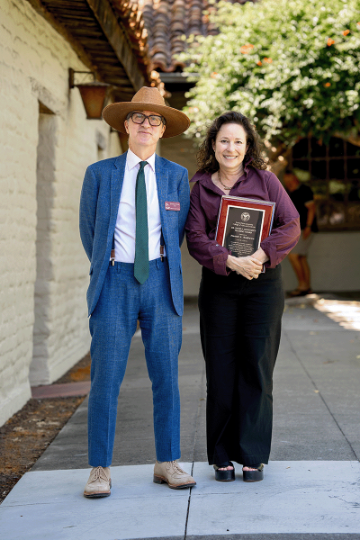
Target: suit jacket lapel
pixel 161 174
pixel 117 178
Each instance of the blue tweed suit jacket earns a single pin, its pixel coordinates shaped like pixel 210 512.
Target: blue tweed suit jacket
pixel 99 205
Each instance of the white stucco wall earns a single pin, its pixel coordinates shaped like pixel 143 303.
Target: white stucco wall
pixel 334 260
pixel 34 63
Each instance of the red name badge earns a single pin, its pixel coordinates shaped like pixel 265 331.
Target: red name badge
pixel 172 206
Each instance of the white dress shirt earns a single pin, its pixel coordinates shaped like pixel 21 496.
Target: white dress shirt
pixel 125 227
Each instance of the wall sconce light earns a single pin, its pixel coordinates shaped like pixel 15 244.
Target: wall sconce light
pixel 93 94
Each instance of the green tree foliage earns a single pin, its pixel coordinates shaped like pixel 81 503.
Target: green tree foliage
pixel 290 65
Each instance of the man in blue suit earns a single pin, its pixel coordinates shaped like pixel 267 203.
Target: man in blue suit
pixel 132 215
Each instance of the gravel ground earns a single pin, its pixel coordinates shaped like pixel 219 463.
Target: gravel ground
pixel 27 434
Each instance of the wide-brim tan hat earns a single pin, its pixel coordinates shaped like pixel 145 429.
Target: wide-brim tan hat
pixel 146 99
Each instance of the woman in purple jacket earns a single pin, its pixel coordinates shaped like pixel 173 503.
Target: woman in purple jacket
pixel 240 307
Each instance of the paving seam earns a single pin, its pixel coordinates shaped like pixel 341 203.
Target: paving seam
pixel 206 478
pixel 193 454
pixel 188 508
pixel 202 383
pixel 319 393
pixel 262 536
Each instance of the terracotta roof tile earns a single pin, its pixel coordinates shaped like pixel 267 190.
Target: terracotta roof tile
pixel 167 21
pixel 156 28
pixel 130 16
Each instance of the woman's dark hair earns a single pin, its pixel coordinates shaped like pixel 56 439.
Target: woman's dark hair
pixel 206 155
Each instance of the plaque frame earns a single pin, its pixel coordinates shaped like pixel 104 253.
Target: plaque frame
pixel 266 208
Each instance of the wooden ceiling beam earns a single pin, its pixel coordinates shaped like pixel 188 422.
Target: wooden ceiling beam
pixel 118 40
pixel 117 80
pixel 80 51
pixel 75 18
pixel 69 4
pixel 99 39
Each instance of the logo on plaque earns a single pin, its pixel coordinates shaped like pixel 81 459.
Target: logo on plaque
pixel 245 216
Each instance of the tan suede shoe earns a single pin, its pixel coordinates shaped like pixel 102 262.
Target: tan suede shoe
pixel 99 483
pixel 171 473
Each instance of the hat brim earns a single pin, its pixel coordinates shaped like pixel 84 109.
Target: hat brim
pixel 176 121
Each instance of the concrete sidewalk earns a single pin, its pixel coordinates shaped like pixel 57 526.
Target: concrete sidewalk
pixel 311 487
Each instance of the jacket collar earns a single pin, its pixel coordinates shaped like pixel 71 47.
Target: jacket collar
pixel 117 177
pixel 161 174
pixel 121 161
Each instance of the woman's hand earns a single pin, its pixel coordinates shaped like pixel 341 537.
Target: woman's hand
pixel 249 267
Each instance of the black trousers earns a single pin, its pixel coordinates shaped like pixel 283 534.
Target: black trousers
pixel 240 322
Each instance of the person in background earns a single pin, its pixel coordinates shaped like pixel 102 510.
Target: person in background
pixel 303 199
pixel 240 307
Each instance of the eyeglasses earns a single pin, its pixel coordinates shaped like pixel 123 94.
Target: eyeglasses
pixel 154 120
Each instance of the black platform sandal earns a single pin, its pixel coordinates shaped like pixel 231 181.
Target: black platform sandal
pixel 254 476
pixel 226 475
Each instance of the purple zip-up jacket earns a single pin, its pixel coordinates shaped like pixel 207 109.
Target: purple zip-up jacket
pixel 204 207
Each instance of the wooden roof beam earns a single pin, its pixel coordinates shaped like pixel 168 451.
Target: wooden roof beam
pixel 80 51
pixel 118 40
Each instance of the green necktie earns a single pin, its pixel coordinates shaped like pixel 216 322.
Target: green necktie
pixel 141 264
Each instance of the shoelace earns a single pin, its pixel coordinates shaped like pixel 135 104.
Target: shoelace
pixel 99 474
pixel 175 465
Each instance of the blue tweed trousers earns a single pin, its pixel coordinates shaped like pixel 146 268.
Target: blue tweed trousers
pixel 112 324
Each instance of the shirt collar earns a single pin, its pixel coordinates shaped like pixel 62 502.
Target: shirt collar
pixel 132 160
pixel 247 165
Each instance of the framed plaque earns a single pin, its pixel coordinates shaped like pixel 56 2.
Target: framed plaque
pixel 243 224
